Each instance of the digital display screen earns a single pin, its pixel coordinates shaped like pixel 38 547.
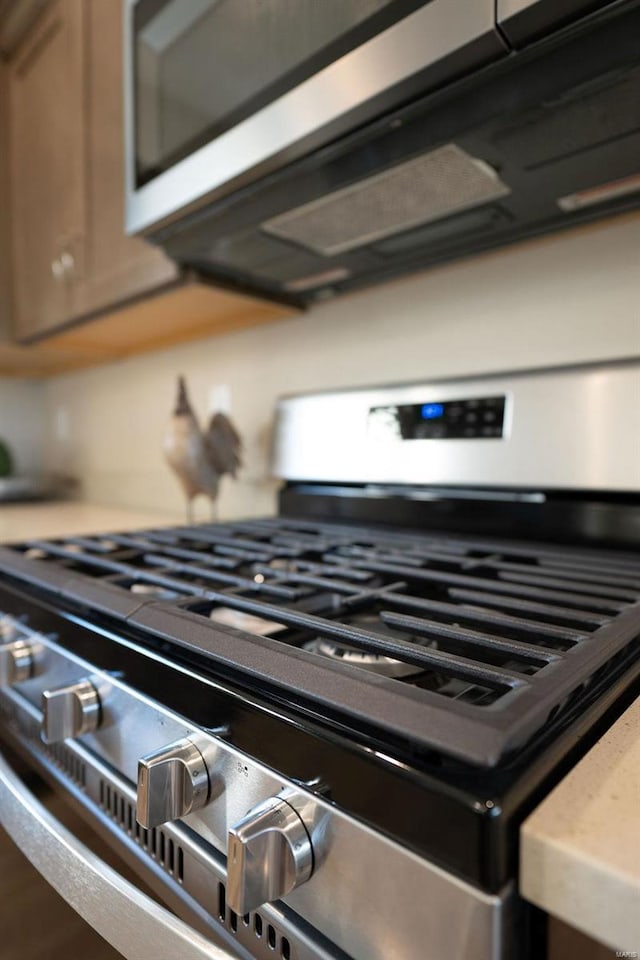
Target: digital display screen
pixel 470 418
pixel 431 411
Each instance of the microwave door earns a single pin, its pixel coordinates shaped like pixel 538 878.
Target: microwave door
pixel 128 919
pixel 218 93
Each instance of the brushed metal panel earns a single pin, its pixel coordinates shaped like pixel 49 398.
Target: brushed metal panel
pixel 132 922
pixel 346 850
pixel 574 428
pixel 285 128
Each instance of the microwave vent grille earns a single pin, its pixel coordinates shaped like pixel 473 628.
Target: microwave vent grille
pixel 427 188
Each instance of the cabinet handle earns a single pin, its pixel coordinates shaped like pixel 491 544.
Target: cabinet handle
pixel 135 925
pixel 67 261
pixel 57 268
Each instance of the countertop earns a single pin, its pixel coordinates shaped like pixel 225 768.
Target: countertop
pixel 580 855
pixel 21 521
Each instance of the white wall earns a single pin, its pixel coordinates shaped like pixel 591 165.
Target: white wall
pixel 571 297
pixel 22 422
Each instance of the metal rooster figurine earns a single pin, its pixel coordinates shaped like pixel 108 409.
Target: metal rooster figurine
pixel 200 458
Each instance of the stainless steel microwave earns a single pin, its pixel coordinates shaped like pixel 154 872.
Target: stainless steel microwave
pixel 302 147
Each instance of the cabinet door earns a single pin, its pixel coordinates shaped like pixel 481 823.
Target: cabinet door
pixel 5 236
pixel 117 267
pixel 46 92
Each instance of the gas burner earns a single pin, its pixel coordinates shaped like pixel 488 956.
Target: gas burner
pixel 373 662
pixel 35 553
pixel 380 682
pixel 154 590
pixel 245 621
pixel 286 564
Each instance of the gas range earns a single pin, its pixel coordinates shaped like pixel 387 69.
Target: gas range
pixel 316 735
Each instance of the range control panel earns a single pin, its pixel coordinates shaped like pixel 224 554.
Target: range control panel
pixel 478 418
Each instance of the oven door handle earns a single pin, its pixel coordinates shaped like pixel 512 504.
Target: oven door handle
pixel 131 922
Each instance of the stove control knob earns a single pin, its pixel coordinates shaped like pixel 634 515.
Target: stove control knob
pixel 70 711
pixel 8 628
pixel 269 853
pixel 172 782
pixel 16 662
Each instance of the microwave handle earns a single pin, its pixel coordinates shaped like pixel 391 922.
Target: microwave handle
pixel 129 920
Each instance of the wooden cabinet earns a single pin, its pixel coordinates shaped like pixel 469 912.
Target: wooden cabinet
pixel 5 224
pixel 46 166
pixel 83 292
pixel 71 257
pixel 565 942
pixel 117 267
pixel 15 360
pixel 186 310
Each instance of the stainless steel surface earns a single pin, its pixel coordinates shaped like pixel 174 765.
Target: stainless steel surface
pixel 16 662
pixel 172 782
pixel 133 923
pixel 269 855
pixel 348 851
pixel 185 873
pixel 70 711
pixel 594 411
pixel 309 115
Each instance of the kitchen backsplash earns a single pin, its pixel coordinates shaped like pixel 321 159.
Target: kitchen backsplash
pixel 22 423
pixel 571 297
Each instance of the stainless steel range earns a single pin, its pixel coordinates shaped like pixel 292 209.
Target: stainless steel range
pixel 316 735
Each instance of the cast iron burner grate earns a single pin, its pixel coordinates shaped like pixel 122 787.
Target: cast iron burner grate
pixel 456 645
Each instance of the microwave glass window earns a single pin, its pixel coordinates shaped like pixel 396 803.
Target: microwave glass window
pixel 203 66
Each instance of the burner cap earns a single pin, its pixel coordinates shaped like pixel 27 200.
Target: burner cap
pixel 373 662
pixel 246 621
pixel 154 590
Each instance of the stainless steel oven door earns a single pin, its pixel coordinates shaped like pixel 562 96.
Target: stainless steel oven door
pixel 128 919
pixel 218 93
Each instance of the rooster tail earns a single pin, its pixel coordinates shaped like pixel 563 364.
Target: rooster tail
pixel 182 400
pixel 224 445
